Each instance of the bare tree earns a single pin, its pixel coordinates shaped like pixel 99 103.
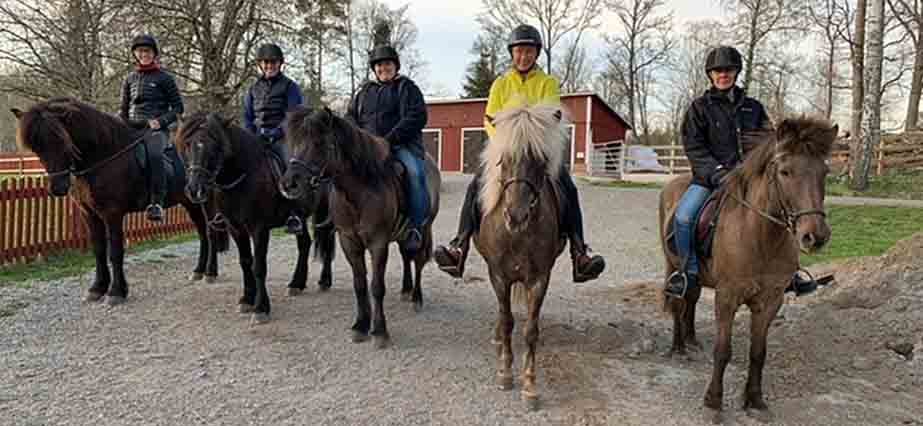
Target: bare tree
pixel 68 47
pixel 858 73
pixel 758 20
pixel 324 23
pixel 909 13
pixel 575 69
pixel 555 19
pixel 871 125
pixel 365 16
pixel 644 45
pixel 828 24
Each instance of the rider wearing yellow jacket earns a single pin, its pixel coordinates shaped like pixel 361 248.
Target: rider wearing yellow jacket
pixel 525 82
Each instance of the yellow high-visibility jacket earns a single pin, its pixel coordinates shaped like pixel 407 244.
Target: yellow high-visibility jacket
pixel 511 89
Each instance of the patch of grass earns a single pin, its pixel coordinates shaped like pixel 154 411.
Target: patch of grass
pixel 903 184
pixel 618 183
pixel 72 263
pixel 866 231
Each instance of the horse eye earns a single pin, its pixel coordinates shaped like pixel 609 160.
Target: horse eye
pixel 785 173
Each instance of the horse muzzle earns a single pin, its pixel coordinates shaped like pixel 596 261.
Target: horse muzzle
pixel 813 235
pixel 196 193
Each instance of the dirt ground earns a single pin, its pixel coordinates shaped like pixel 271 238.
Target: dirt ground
pixel 179 353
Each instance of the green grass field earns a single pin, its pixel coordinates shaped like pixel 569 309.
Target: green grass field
pixel 907 185
pixel 866 231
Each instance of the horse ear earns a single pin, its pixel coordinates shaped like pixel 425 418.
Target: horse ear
pixel 17 112
pixel 835 131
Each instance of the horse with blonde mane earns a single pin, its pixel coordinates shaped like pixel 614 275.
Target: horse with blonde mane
pixel 521 234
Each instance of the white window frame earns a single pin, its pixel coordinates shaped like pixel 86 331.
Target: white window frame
pixel 438 132
pixel 461 168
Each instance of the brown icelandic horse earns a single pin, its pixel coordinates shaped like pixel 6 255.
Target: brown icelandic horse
pixel 228 159
pixel 73 139
pixel 520 235
pixel 366 205
pixel 771 209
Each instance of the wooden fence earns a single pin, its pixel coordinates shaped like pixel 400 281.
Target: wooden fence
pixel 34 224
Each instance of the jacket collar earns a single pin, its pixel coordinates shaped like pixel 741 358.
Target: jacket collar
pixel 534 72
pixel 716 96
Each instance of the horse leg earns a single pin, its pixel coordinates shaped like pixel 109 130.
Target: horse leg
pixel 261 309
pixel 100 245
pixel 762 314
pixel 407 279
pixel 692 299
pixel 206 246
pixel 417 297
pixel 536 298
pixel 300 278
pixel 503 333
pixel 245 259
pixel 379 324
pixel 355 255
pixel 118 290
pixel 724 316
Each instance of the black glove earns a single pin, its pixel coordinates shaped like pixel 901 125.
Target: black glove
pixel 557 115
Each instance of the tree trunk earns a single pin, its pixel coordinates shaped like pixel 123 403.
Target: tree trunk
pixel 828 108
pixel 916 86
pixel 350 47
pixel 871 122
pixel 858 84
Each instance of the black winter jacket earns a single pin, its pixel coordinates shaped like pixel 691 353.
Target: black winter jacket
pixel 711 129
pixel 394 110
pixel 150 95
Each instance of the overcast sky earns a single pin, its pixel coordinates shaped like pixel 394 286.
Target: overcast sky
pixel 448 28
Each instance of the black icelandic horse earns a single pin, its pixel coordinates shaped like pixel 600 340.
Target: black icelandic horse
pixel 223 157
pixel 100 152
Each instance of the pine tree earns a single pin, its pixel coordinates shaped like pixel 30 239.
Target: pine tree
pixel 479 78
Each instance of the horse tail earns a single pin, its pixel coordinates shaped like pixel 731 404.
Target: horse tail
pixel 221 240
pixel 519 294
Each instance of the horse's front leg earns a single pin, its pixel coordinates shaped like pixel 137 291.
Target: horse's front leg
pixel 325 245
pixel 724 316
pixel 536 298
pixel 247 302
pixel 407 278
pixel 206 245
pixel 118 290
pixel 300 277
pixel 261 248
pixel 379 325
pixel 762 314
pixel 355 255
pixel 503 333
pixel 100 248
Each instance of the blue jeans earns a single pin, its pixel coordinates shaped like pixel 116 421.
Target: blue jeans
pixel 417 194
pixel 687 214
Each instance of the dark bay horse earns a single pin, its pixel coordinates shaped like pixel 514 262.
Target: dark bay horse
pixel 224 157
pixel 772 209
pixel 520 235
pixel 366 204
pixel 73 139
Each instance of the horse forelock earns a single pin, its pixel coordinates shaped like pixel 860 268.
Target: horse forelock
pixel 42 129
pixel 523 134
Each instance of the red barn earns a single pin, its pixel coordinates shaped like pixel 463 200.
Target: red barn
pixel 455 135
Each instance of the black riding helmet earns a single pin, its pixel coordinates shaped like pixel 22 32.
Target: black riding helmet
pixel 145 40
pixel 384 53
pixel 524 34
pixel 723 57
pixel 270 52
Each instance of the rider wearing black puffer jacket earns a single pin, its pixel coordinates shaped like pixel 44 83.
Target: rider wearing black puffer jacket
pixel 150 99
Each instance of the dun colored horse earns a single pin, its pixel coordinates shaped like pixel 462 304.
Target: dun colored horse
pixel 366 201
pixel 772 208
pixel 520 235
pixel 226 158
pixel 73 139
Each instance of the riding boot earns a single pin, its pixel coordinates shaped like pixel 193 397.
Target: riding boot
pixel 451 258
pixel 586 266
pixel 679 282
pixel 156 144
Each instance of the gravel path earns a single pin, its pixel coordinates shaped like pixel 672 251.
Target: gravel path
pixel 179 353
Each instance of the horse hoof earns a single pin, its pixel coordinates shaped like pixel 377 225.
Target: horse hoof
pixel 92 297
pixel 504 382
pixel 245 308
pixel 418 307
pixel 323 286
pixel 259 318
pixel 359 337
pixel 531 400
pixel 714 416
pixel 211 279
pixel 382 342
pixel 196 276
pixel 115 300
pixel 406 297
pixel 293 291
